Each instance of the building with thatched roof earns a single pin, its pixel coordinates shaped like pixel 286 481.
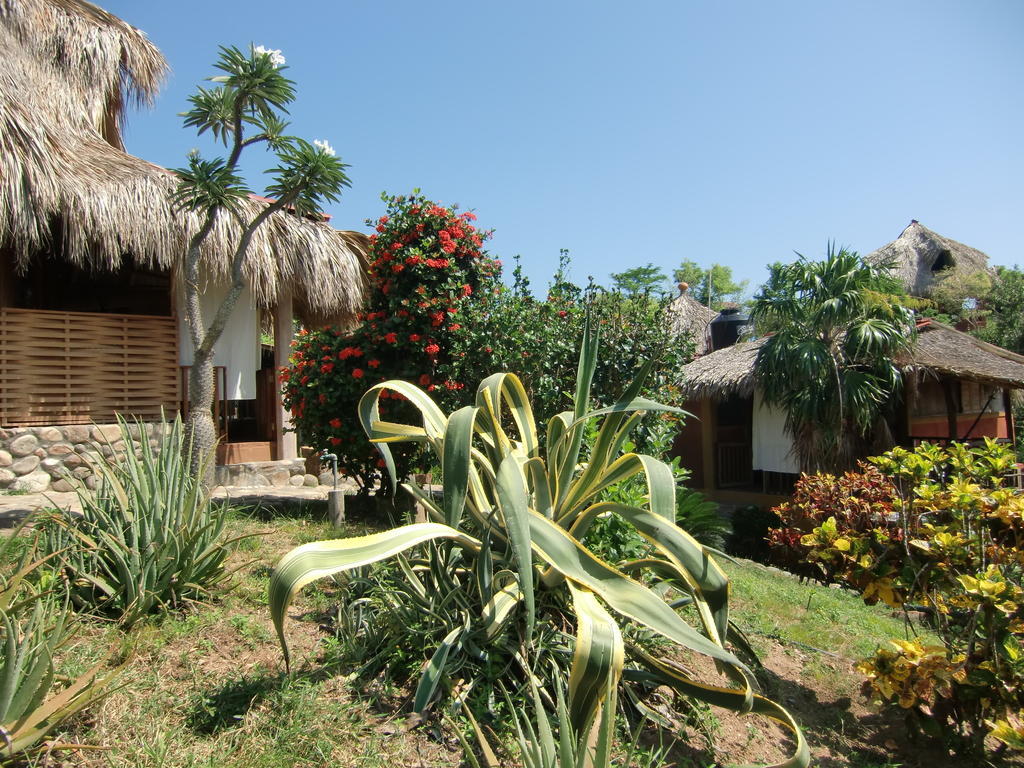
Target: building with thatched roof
pixel 919 257
pixel 956 387
pixel 691 320
pixel 90 244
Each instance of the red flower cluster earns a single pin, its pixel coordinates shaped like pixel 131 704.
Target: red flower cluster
pixel 425 261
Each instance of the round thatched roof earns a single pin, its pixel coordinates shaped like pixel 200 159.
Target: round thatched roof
pixel 724 372
pixel 67 186
pixel 688 317
pixel 919 255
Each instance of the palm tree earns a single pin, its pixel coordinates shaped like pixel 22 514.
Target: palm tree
pixel 829 362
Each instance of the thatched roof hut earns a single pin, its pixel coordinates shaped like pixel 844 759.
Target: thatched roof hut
pixel 68 187
pixel 918 257
pixel 687 317
pixel 724 372
pixel 938 349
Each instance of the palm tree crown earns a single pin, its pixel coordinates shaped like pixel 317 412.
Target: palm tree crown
pixel 829 362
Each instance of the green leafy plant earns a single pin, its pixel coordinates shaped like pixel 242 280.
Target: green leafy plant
pixel 935 528
pixel 427 264
pixel 244 108
pixel 148 538
pixel 541 743
pixel 516 511
pixel 830 361
pixel 701 519
pixel 34 625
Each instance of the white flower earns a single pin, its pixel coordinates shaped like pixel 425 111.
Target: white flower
pixel 324 147
pixel 274 53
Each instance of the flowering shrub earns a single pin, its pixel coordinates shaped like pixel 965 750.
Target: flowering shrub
pixel 438 317
pixel 935 528
pixel 426 264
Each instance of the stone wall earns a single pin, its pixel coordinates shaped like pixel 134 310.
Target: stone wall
pixel 259 474
pixel 37 459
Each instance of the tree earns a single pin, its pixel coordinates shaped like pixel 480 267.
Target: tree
pixel 830 362
pixel 715 283
pixel 961 298
pixel 645 279
pixel 244 109
pixel 1005 302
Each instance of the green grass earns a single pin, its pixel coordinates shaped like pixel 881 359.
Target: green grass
pixel 208 687
pixel 769 605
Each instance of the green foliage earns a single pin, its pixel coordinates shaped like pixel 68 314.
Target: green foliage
pixel 700 518
pixel 148 538
pixel 537 339
pixel 34 625
pixel 830 364
pixel 438 317
pixel 751 528
pixel 647 279
pixel 507 565
pixel 712 285
pixel 242 110
pixel 1005 322
pixel 546 742
pixel 959 297
pixel 937 528
pixel 427 267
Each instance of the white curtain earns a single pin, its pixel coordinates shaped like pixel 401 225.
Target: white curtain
pixel 238 349
pixel 773 448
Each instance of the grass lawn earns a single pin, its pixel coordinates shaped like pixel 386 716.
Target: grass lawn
pixel 208 688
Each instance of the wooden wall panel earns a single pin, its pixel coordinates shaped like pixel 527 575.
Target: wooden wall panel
pixel 83 367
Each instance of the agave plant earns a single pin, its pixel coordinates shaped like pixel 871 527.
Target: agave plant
pixel 517 511
pixel 33 626
pixel 148 538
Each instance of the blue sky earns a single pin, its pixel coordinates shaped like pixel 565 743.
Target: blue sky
pixel 730 132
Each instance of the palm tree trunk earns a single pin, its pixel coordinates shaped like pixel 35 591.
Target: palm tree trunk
pixel 200 429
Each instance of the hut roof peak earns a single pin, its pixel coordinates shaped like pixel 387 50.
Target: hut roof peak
pixel 919 256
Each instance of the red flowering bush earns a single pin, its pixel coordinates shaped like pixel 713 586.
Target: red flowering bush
pixel 426 263
pixel 438 317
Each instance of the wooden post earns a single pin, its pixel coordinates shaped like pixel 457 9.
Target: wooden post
pixel 951 408
pixel 708 430
pixel 286 447
pixel 1011 431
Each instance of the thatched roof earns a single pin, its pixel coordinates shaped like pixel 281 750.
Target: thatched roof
pixel 938 349
pixel 725 372
pixel 688 317
pixel 67 186
pixel 944 350
pixel 919 256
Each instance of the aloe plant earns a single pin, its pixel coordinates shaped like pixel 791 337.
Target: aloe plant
pixel 519 510
pixel 33 626
pixel 148 538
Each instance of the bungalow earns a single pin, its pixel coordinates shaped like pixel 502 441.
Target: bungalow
pixel 89 253
pixel 919 258
pixel 956 387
